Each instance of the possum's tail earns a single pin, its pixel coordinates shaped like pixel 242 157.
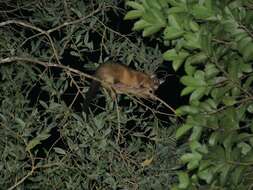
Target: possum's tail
pixel 91 94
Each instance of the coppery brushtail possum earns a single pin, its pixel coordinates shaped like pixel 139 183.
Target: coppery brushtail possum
pixel 118 75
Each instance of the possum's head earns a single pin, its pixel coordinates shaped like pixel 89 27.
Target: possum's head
pixel 151 83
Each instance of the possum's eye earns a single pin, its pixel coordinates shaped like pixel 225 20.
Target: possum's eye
pixel 151 91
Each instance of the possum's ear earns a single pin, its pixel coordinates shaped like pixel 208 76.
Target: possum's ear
pixel 157 80
pixel 161 81
pixel 153 76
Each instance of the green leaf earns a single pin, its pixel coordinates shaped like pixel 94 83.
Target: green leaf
pixel 189 69
pixel 230 26
pixel 32 144
pixel 193 164
pixel 230 119
pixel 244 43
pixel 214 138
pixel 184 180
pixel 182 55
pixel 177 63
pixel 197 58
pixel 148 31
pixel 170 55
pixel 248 52
pixel 205 164
pixel 74 53
pixel 206 175
pixel 196 133
pixel 163 3
pixel 134 14
pixel 211 71
pixel 182 110
pixel 233 69
pixel 202 12
pixel 59 150
pixel 237 174
pixel 141 24
pixel 150 18
pixel 99 121
pixel 250 108
pixel 187 90
pixel 174 3
pixel 174 187
pixel 247 68
pixel 239 34
pixel 193 82
pixel 224 173
pixel 212 103
pixel 183 130
pixel 174 22
pixel 37 140
pixel 194 26
pixel 187 157
pixel 248 82
pixel 153 4
pixel 177 58
pixel 228 100
pixel 192 41
pixel 245 148
pixel 228 141
pixel 193 159
pixel 178 9
pixel 171 33
pixel 135 5
pixel 218 150
pixel 77 12
pixel 159 17
pixel 248 157
pixel 218 93
pixel 195 145
pixel 20 122
pixel 198 94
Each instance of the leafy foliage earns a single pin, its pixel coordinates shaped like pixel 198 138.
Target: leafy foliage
pixel 46 142
pixel 212 40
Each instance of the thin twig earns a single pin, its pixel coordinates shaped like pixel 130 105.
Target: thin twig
pixel 28 25
pixel 78 90
pixel 118 121
pixel 246 29
pixel 22 180
pixel 46 64
pixel 74 21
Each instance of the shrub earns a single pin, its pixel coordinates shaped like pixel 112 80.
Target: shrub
pixel 212 41
pixel 47 50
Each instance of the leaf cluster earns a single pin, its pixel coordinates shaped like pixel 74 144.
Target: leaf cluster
pixel 213 42
pixel 45 143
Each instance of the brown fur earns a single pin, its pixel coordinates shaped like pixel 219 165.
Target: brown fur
pixel 120 79
pixel 120 74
